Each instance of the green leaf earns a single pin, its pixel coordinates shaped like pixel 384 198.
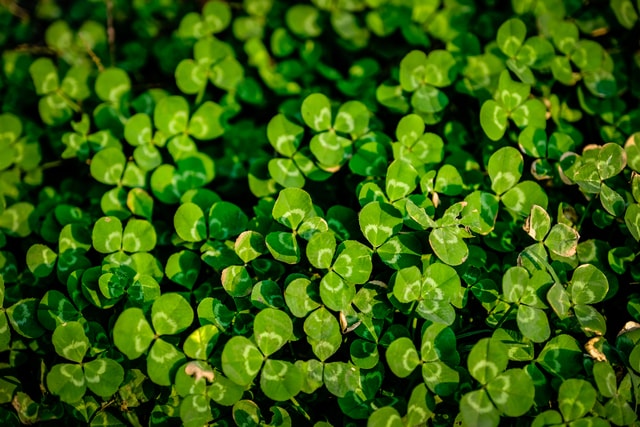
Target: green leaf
pixel 171 115
pixel 448 245
pixel 512 392
pixel 286 173
pixel 409 129
pixel 283 246
pixel 407 284
pixel 107 166
pixel 216 16
pixel 316 112
pixel 67 381
pixel 561 356
pixel 236 281
pixel 45 76
pixel 386 416
pixel 189 222
pixel 576 397
pixel 605 378
pixel 353 262
pixel 162 362
pixel 505 169
pixel 493 119
pixel 379 221
pixel 611 200
pixel 284 135
pixel 280 380
pixel 183 268
pixel 224 392
pixel 303 19
pixel 523 196
pixel 112 84
pixel 140 203
pixel 487 359
pixel 352 118
pixel 226 220
pixel 329 149
pixel 625 13
pixel 510 36
pixel 589 285
pixel 301 296
pixel 477 409
pixel 205 122
pixel 70 341
pixel 292 206
pixel 272 329
pixel 103 376
pixel 321 249
pixel 132 333
pixel 632 220
pixel 538 223
pixel 139 236
pixel 107 235
pixel 336 293
pixel 533 323
pixel 191 77
pixel 341 378
pixel 41 260
pixel 611 160
pixel 562 240
pixel 402 357
pixel 171 314
pixel 323 333
pixel 401 180
pixel 22 316
pixel 250 245
pixel 241 360
pixel 200 343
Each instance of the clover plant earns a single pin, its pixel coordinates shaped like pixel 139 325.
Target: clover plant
pixel 324 213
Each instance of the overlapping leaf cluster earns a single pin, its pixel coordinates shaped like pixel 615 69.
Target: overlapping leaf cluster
pixel 381 212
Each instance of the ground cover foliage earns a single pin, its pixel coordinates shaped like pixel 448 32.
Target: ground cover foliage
pixel 336 212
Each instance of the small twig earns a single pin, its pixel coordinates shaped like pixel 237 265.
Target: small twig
pixel 111 32
pixel 15 9
pixel 92 54
pixel 49 165
pixel 36 50
pixel 73 105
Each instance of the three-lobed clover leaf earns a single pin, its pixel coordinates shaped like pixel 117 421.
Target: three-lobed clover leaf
pixel 242 359
pixel 438 357
pixel 511 101
pixel 102 376
pixel 424 74
pixel 434 291
pixel 213 61
pixel 171 314
pixel 57 104
pixel 504 392
pixel 521 289
pixel 329 147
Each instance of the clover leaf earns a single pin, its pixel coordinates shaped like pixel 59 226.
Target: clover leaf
pixel 505 392
pixel 133 335
pixel 511 101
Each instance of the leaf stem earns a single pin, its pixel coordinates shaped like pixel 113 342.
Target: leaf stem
pixel 73 105
pixel 506 315
pixel 534 257
pixel 586 212
pixel 300 408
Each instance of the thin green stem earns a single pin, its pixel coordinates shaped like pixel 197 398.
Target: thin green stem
pixel 534 257
pixel 585 213
pixel 300 408
pixel 506 315
pixel 73 105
